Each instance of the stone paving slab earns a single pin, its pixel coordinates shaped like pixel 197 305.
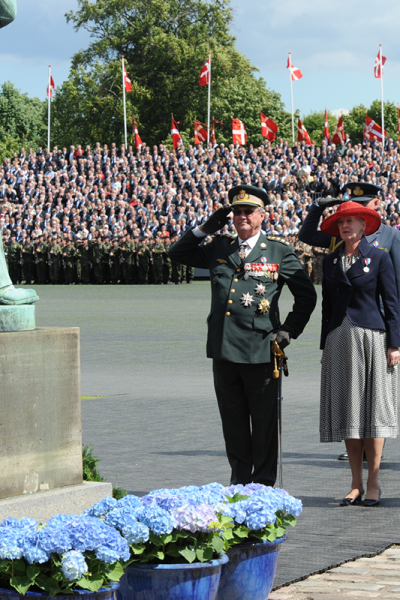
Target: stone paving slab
pixel 361 582
pixel 157 424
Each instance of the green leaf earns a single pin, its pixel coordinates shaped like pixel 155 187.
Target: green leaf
pixel 173 550
pixel 218 544
pixel 189 555
pixel 228 534
pixel 92 583
pixel 42 581
pixel 138 549
pixel 21 583
pixel 236 498
pixel 241 531
pixel 19 566
pixel 116 572
pixel 33 571
pixel 155 539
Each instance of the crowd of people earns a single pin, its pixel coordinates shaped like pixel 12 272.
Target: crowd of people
pixel 108 214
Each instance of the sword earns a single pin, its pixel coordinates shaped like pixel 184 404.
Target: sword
pixel 280 364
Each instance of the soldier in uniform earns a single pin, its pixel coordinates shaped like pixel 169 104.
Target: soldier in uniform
pixel 54 254
pixel 386 238
pixel 166 262
pixel 28 260
pixel 41 260
pixel 305 255
pixel 14 259
pixel 247 276
pixel 114 261
pixel 128 252
pixel 85 260
pixel 143 257
pixel 97 248
pixel 157 255
pixel 107 245
pixel 70 255
pixel 176 267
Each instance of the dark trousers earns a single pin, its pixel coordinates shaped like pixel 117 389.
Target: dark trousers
pixel 247 401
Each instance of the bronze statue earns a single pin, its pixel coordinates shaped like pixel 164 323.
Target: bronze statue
pixel 8 12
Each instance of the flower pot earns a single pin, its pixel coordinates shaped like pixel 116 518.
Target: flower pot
pixel 101 594
pixel 250 572
pixel 196 581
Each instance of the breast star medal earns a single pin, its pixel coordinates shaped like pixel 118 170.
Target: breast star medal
pixel 247 300
pixel 264 305
pixel 260 289
pixel 242 253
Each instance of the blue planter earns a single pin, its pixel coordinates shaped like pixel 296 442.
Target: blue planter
pixel 102 594
pixel 196 581
pixel 250 572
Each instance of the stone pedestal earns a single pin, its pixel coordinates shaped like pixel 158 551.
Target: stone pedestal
pixel 17 318
pixel 40 411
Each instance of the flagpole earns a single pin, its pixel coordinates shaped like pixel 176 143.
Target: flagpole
pixel 383 116
pixel 209 97
pixel 123 90
pixel 291 93
pixel 48 109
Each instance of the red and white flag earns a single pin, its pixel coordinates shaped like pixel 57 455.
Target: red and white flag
pixel 200 132
pixel 138 141
pixel 213 139
pixel 302 135
pixel 326 128
pixel 372 129
pixel 269 128
pixel 338 136
pixel 239 132
pixel 127 81
pixel 50 87
pixel 398 121
pixel 294 72
pixel 205 74
pixel 378 68
pixel 176 136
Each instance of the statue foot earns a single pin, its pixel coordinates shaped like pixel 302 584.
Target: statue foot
pixel 10 295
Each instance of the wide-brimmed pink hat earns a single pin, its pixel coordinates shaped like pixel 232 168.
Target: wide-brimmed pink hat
pixel 351 209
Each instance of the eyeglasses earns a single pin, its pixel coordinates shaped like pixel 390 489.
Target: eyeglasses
pixel 246 211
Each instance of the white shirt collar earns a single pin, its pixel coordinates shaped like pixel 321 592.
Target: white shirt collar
pixel 252 241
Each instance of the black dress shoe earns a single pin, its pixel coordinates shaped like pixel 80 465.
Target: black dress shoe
pixel 371 502
pixel 343 456
pixel 352 501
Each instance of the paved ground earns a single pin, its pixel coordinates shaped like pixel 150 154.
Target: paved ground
pixel 143 349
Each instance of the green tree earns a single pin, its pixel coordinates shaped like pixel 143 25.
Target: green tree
pixel 354 122
pixel 23 120
pixel 165 43
pixel 315 124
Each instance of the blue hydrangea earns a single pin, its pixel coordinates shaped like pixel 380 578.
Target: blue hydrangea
pixel 61 520
pixel 110 555
pixel 195 518
pixel 89 533
pixel 135 532
pixel 102 508
pixel 129 501
pixel 33 553
pixel 119 517
pixel 158 520
pixel 73 565
pixel 52 539
pixel 11 541
pixel 24 523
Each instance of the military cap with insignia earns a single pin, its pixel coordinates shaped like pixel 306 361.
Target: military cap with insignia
pixel 248 195
pixel 363 192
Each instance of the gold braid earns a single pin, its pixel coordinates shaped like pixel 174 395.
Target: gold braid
pixel 333 245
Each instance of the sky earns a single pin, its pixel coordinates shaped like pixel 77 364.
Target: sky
pixel 333 43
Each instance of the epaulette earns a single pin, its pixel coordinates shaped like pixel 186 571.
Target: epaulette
pixel 276 239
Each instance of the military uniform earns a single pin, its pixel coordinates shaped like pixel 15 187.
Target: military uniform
pixel 28 262
pixel 114 262
pixel 244 314
pixel 166 262
pixel 157 255
pixel 305 255
pixel 14 261
pixel 54 255
pixel 97 248
pixel 70 256
pixel 143 257
pixel 85 261
pixel 41 262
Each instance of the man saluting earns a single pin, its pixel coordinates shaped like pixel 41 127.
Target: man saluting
pixel 247 276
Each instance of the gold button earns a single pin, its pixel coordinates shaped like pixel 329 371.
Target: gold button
pixel 230 301
pixel 228 314
pixel 236 280
pixel 238 270
pixel 233 291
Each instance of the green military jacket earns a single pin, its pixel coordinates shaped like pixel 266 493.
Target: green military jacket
pixel 14 252
pixel 243 316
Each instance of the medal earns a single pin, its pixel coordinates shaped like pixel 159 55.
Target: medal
pixel 366 269
pixel 247 300
pixel 260 289
pixel 367 262
pixel 264 305
pixel 334 261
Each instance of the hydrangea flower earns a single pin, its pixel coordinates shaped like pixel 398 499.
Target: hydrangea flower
pixel 61 520
pixel 158 520
pixel 24 523
pixel 129 501
pixel 11 540
pixel 119 517
pixel 52 539
pixel 33 553
pixel 102 508
pixel 195 518
pixel 135 532
pixel 73 565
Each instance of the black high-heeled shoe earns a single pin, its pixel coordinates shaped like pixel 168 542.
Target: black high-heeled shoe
pixel 352 501
pixel 371 502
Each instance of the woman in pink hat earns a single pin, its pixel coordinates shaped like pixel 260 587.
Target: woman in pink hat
pixel 360 339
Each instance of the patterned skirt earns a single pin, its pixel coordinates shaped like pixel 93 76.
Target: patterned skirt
pixel 358 389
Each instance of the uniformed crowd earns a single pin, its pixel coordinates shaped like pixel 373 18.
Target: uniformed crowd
pixel 108 214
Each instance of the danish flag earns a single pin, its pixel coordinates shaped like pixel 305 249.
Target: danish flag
pixel 268 128
pixel 176 136
pixel 239 132
pixel 200 132
pixel 338 136
pixel 302 135
pixel 294 72
pixel 127 81
pixel 213 139
pixel 138 141
pixel 51 87
pixel 377 66
pixel 372 129
pixel 205 74
pixel 326 128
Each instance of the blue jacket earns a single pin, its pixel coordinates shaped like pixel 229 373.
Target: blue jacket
pixel 356 293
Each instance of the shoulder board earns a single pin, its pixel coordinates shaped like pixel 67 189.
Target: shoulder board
pixel 276 239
